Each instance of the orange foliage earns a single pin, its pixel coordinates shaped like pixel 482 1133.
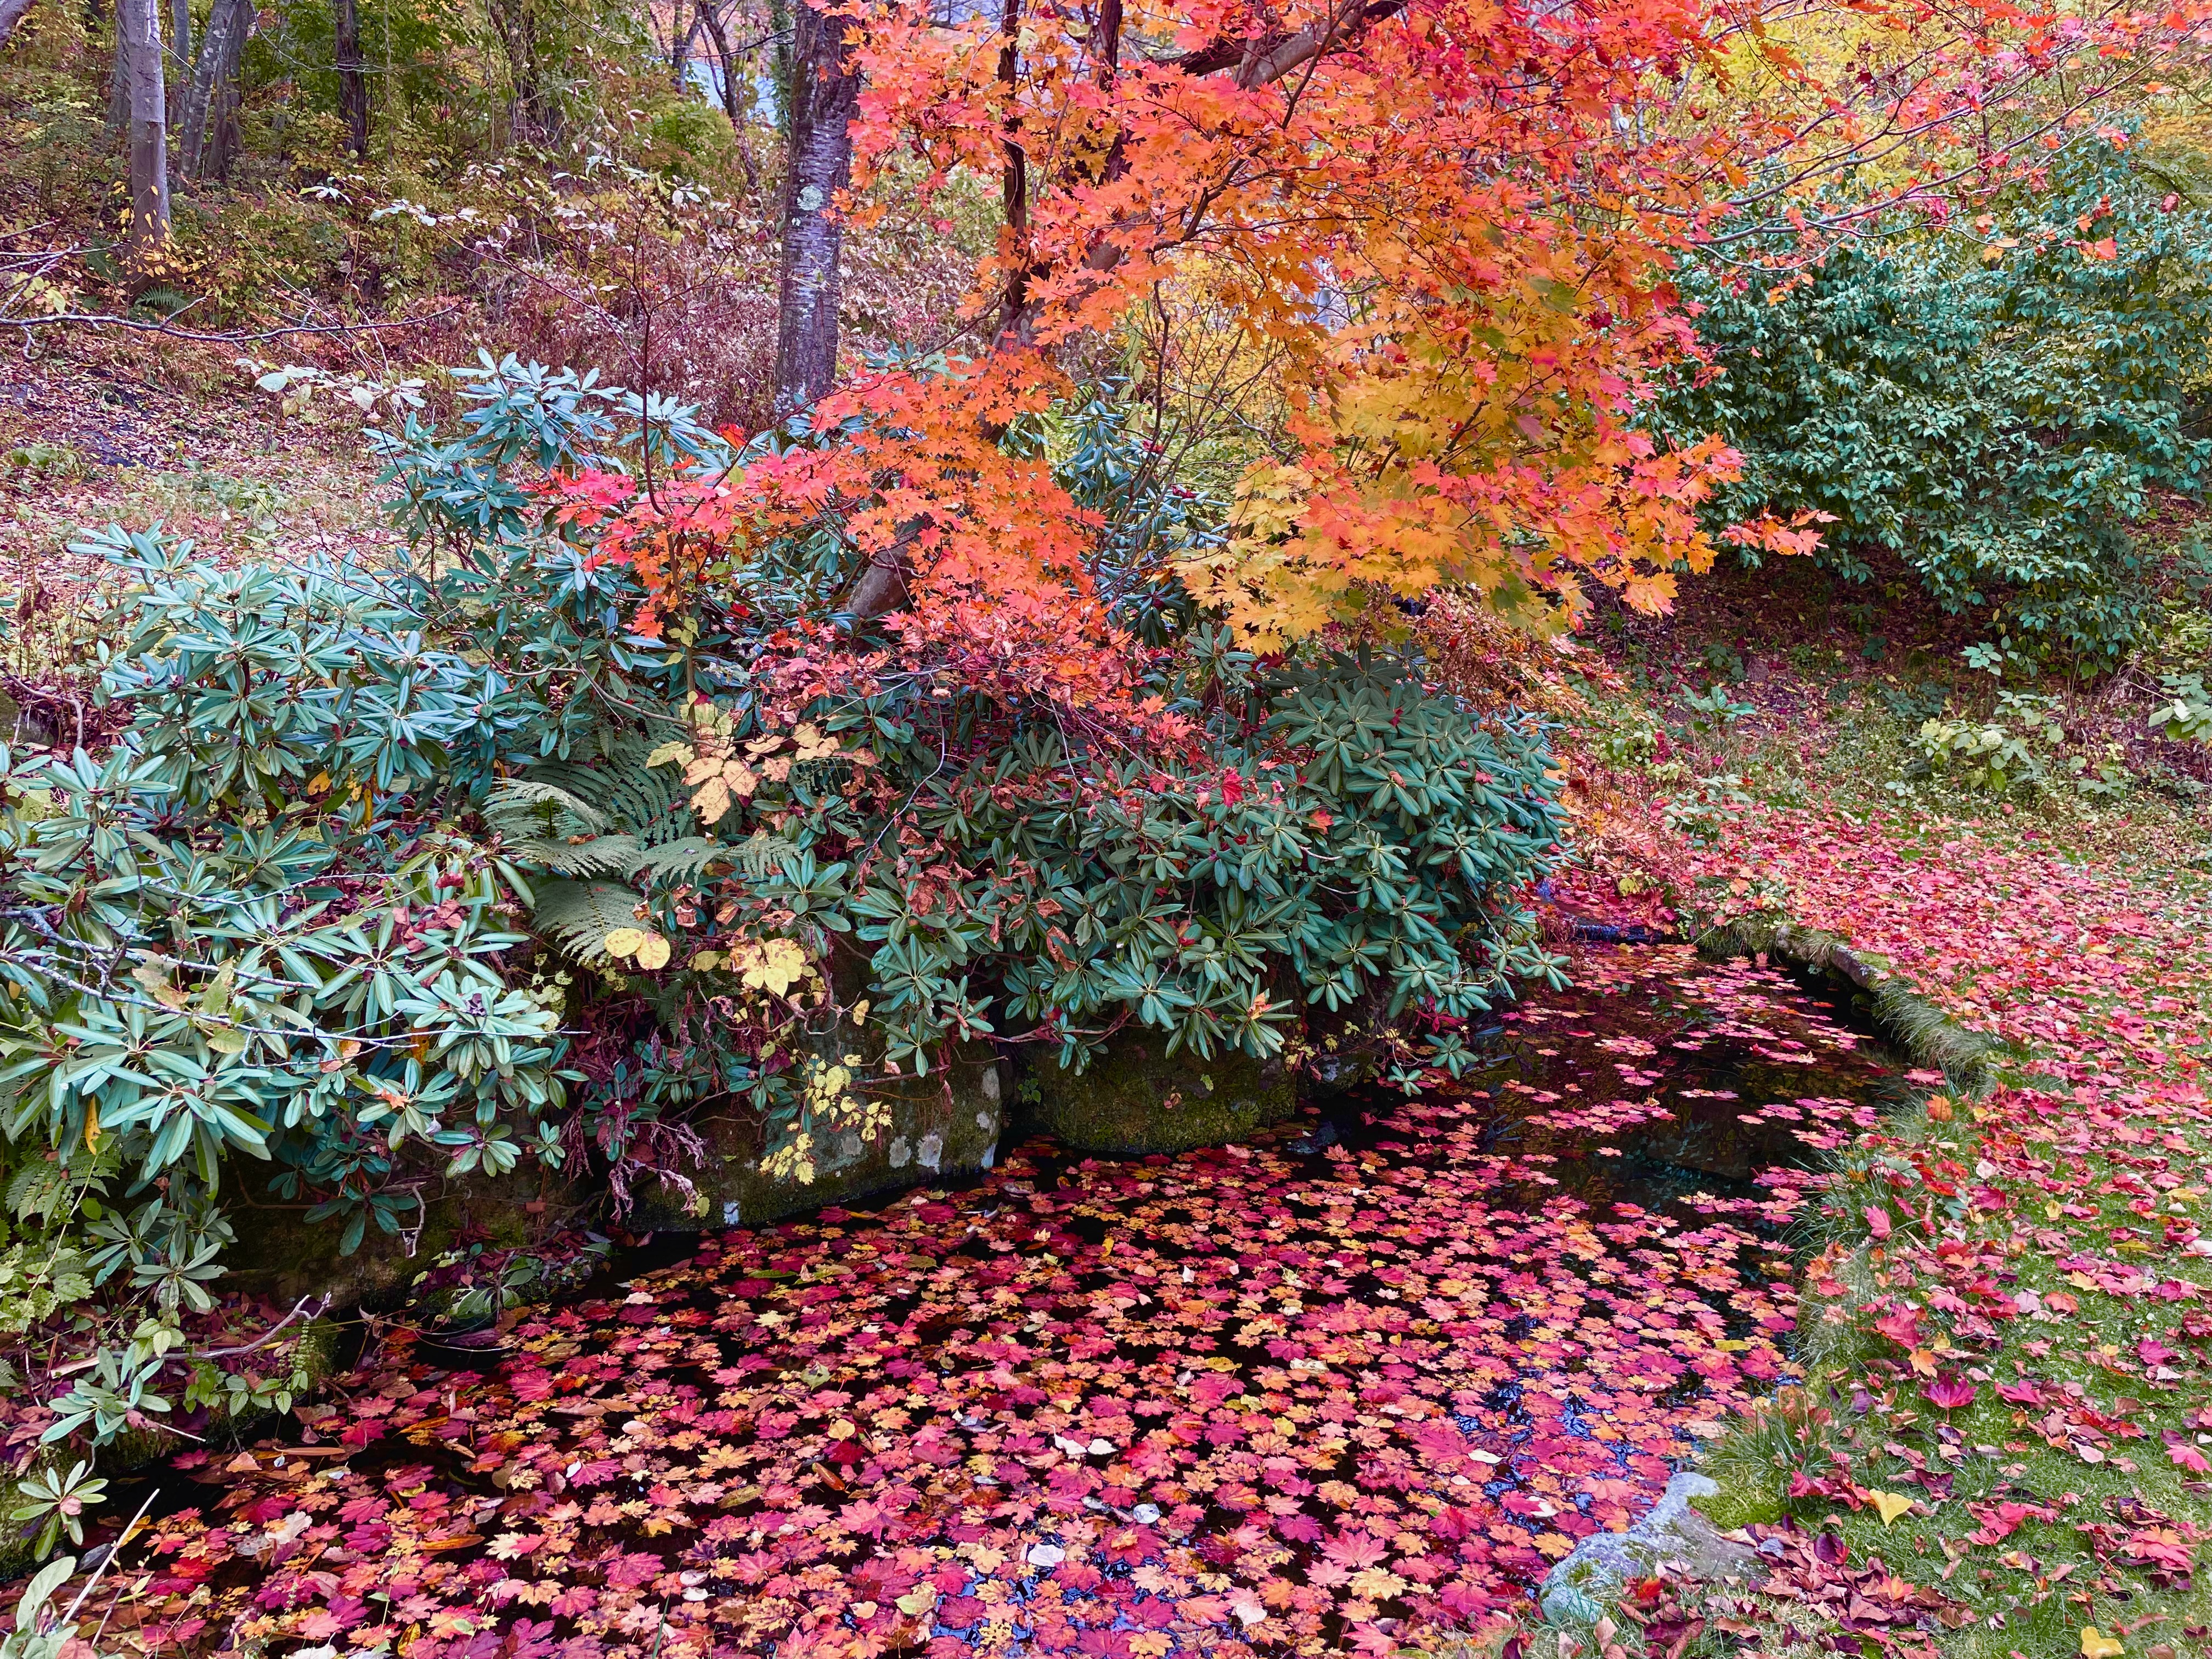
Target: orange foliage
pixel 1450 221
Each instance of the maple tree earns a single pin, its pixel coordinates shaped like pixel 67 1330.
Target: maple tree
pixel 1447 226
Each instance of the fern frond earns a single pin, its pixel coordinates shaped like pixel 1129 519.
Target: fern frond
pixel 687 857
pixel 579 915
pixel 602 855
pixel 648 802
pixel 760 855
pixel 528 808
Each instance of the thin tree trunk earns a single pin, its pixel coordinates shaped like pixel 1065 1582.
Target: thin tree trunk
pixel 709 18
pixel 140 21
pixel 353 84
pixel 785 73
pixel 12 13
pixel 825 88
pixel 211 104
pixel 1016 322
pixel 518 38
pixel 679 52
pixel 178 71
pixel 119 76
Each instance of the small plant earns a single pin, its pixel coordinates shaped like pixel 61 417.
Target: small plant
pixel 1631 742
pixel 1701 813
pixel 1713 710
pixel 1727 661
pixel 39 1635
pixel 1790 1438
pixel 45 463
pixel 2185 715
pixel 1914 703
pixel 2101 779
pixel 2014 747
pixel 58 1501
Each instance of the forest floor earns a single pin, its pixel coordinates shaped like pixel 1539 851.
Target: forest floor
pixel 2006 1308
pixel 2008 1302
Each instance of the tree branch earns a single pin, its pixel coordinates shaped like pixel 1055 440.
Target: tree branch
pixel 1263 59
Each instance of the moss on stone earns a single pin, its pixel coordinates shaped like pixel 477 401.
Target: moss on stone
pixel 947 1123
pixel 1135 1099
pixel 281 1254
pixel 1921 1030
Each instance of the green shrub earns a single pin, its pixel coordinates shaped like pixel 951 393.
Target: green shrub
pixel 1994 425
pixel 248 928
pixel 2013 748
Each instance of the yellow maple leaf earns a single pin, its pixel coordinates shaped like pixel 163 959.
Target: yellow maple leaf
pixel 2095 1644
pixel 1891 1504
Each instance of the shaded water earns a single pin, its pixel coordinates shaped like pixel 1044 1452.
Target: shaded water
pixel 1281 1397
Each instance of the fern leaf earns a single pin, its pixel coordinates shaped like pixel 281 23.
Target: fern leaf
pixel 579 915
pixel 529 807
pixel 687 857
pixel 760 855
pixel 602 855
pixel 629 794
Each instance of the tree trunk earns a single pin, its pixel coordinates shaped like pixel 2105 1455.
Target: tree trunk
pixel 824 91
pixel 178 71
pixel 353 83
pixel 679 53
pixel 119 76
pixel 1016 320
pixel 736 88
pixel 779 26
pixel 518 38
pixel 12 13
pixel 207 140
pixel 140 24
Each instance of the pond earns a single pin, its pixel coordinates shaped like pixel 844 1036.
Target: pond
pixel 1375 1370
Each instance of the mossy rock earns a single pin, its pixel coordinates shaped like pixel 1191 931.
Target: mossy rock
pixel 1135 1099
pixel 281 1254
pixel 946 1124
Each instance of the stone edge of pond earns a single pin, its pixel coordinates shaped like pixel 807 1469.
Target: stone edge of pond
pixel 1587 1585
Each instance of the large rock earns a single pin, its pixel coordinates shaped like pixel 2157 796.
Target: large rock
pixel 1135 1099
pixel 947 1123
pixel 1577 1589
pixel 281 1254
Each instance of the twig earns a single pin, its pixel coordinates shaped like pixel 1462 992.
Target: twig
pixel 114 1550
pixel 227 337
pixel 269 1335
